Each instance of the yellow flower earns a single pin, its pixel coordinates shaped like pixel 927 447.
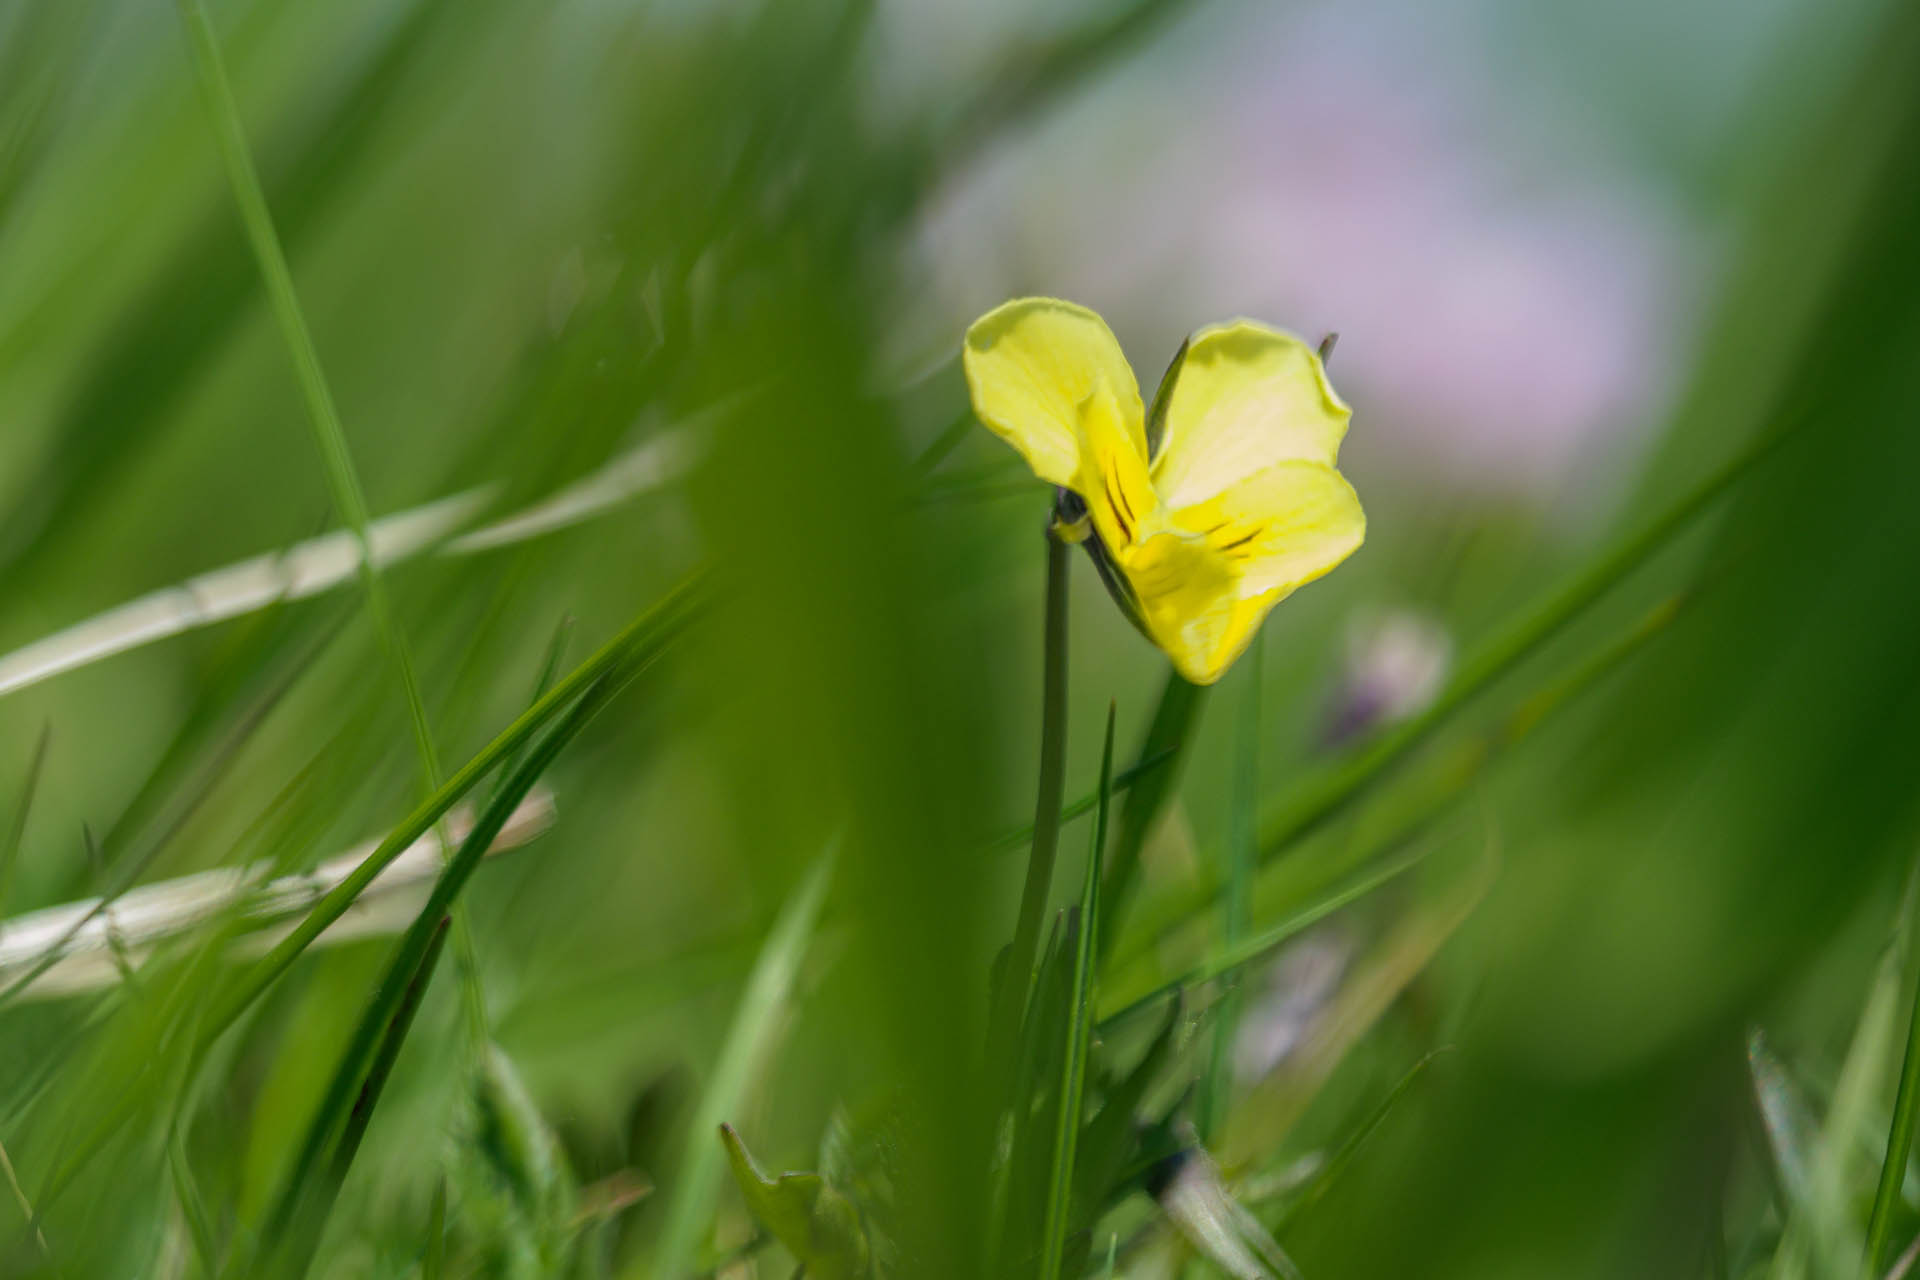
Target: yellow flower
pixel 1206 513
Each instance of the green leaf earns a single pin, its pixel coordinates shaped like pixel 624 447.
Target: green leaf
pixel 818 1225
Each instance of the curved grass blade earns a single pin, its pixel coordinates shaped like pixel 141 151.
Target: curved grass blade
pixel 698 1179
pixel 1073 1068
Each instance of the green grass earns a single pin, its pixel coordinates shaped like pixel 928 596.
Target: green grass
pixel 1472 996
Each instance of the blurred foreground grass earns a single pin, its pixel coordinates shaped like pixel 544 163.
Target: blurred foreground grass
pixel 1599 969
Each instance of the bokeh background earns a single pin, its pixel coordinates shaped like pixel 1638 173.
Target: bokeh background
pixel 712 262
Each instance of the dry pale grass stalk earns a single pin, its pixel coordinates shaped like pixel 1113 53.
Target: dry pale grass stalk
pixel 93 941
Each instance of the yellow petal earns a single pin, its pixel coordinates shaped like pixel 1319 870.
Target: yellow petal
pixel 1212 583
pixel 1185 593
pixel 1245 398
pixel 1113 470
pixel 1031 365
pixel 1282 527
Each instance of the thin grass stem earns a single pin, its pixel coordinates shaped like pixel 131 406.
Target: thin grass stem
pixel 1073 1068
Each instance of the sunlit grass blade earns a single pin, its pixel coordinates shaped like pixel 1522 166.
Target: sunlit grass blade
pixel 143 918
pixel 697 1180
pixel 321 564
pixel 1073 1066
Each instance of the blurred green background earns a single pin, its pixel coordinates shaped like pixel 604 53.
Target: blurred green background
pixel 705 266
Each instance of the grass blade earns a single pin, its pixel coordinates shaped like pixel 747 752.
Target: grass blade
pixel 1906 1105
pixel 768 987
pixel 1232 959
pixel 17 830
pixel 1327 793
pixel 342 480
pixel 1073 1070
pixel 640 642
pixel 1236 898
pixel 1016 979
pixel 338 1108
pixel 289 1250
pixel 1169 735
pixel 636 645
pixel 193 1208
pixel 434 1263
pixel 1328 1173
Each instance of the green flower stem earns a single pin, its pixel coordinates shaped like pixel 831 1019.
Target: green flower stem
pixel 1906 1105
